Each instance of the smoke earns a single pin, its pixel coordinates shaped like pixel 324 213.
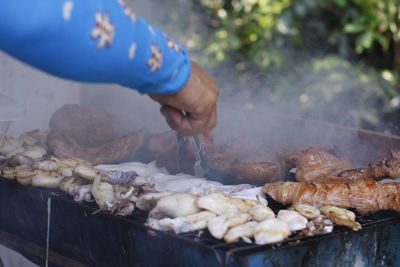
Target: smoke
pixel 265 108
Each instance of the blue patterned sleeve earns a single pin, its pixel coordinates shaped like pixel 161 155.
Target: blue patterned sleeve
pixel 98 41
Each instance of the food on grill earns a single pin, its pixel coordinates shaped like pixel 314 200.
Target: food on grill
pixel 261 212
pixel 33 138
pixel 248 162
pixel 245 161
pixel 85 170
pixel 256 172
pixel 190 223
pixel 71 184
pixel 220 202
pixel 197 203
pixel 17 172
pixel 243 231
pixel 294 219
pixel 308 211
pixel 148 201
pixel 89 126
pixel 84 193
pixel 341 216
pixel 26 157
pixel 23 174
pixel 10 146
pixel 46 163
pixel 118 150
pixel 103 193
pixel 365 196
pixel 219 225
pixel 175 205
pixel 317 226
pixel 271 231
pixel 46 179
pixel 384 168
pixel 317 164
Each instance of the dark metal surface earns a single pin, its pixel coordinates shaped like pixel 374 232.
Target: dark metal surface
pixel 77 236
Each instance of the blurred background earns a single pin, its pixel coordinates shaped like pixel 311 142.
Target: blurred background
pixel 330 60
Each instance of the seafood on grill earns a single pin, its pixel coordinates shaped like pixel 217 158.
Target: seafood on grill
pixel 46 179
pixel 11 146
pixel 317 226
pixel 294 219
pixel 148 201
pixel 341 216
pixel 271 231
pixel 242 231
pixel 194 222
pixel 308 211
pixel 219 225
pixel 220 202
pixel 366 196
pixel 175 205
pixel 261 212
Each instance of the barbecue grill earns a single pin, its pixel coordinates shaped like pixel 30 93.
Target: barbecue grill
pixel 77 237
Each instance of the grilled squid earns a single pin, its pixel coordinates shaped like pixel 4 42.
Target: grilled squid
pixel 175 205
pixel 243 231
pixel 46 179
pixel 294 219
pixel 148 201
pixel 103 193
pixel 261 212
pixel 46 163
pixel 71 184
pixel 341 216
pixel 308 211
pixel 10 146
pixel 84 193
pixel 86 171
pixel 190 223
pixel 221 202
pixel 271 231
pixel 219 225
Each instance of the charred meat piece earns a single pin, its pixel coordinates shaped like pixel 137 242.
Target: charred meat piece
pixel 256 172
pixel 365 196
pixel 249 162
pixel 121 149
pixel 384 168
pixel 90 126
pixel 317 164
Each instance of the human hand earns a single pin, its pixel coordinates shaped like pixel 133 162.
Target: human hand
pixel 198 98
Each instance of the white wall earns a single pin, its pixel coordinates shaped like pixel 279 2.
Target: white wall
pixel 40 93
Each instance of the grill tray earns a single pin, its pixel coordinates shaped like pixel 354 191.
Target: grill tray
pixel 78 238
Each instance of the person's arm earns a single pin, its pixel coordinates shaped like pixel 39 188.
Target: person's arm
pixel 93 41
pixel 104 41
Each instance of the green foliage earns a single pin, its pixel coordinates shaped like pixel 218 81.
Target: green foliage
pixel 244 30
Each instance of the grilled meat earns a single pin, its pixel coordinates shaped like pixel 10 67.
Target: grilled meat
pixel 365 196
pixel 89 126
pixel 121 149
pixel 317 164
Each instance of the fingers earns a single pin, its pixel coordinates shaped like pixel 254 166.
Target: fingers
pixel 189 125
pixel 198 97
